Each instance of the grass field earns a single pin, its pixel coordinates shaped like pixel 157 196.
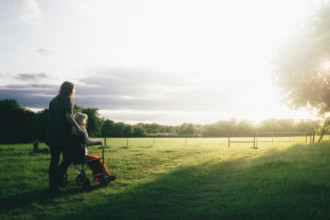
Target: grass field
pixel 172 178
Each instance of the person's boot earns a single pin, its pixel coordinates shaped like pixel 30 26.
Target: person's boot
pixel 65 181
pixel 111 178
pixel 55 187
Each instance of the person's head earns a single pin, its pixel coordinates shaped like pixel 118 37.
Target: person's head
pixel 80 118
pixel 67 89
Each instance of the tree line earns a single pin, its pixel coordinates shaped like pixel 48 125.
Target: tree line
pixel 19 125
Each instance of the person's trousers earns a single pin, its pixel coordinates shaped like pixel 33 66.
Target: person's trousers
pixel 56 171
pixel 97 166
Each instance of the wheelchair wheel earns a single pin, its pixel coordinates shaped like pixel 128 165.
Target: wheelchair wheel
pixel 86 184
pixel 80 179
pixel 103 182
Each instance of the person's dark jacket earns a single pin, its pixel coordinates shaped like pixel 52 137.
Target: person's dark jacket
pixel 59 129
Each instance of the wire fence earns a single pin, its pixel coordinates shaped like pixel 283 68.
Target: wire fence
pixel 282 137
pixel 260 139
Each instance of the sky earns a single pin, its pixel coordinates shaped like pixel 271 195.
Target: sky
pixel 168 62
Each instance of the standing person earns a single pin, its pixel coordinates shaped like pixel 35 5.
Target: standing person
pixel 59 136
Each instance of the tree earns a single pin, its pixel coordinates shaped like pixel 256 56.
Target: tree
pixel 108 128
pixel 277 125
pixel 307 126
pixel 183 129
pixel 17 124
pixel 94 123
pixel 42 121
pixel 138 131
pixel 118 129
pixel 190 130
pixel 303 66
pixel 187 129
pixel 77 108
pixel 127 130
pixel 245 128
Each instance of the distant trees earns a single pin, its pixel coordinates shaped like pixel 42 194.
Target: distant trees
pixel 278 125
pixel 229 128
pixel 108 128
pixel 289 125
pixel 41 124
pixel 138 131
pixel 18 124
pixel 245 128
pixel 187 129
pixel 120 129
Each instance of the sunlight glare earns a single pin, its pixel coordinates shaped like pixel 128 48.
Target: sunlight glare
pixel 326 65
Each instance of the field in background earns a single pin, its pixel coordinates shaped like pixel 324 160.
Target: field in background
pixel 175 178
pixel 220 142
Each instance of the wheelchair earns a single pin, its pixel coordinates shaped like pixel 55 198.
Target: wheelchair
pixel 80 163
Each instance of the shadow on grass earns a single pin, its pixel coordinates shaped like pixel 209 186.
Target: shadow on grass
pixel 239 189
pixel 41 197
pixel 40 151
pixel 268 187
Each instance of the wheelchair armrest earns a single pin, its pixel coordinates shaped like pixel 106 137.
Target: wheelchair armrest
pixel 92 160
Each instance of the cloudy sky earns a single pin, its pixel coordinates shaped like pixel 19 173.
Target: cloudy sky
pixel 167 62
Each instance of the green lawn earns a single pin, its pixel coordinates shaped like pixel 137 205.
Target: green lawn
pixel 173 178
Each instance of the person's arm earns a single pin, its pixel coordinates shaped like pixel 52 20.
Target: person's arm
pixel 88 141
pixel 70 119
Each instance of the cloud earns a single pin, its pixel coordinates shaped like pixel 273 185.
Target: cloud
pixel 112 89
pixel 28 11
pixel 127 82
pixel 30 95
pixel 31 76
pixel 143 89
pixel 142 94
pixel 46 51
pixel 4 75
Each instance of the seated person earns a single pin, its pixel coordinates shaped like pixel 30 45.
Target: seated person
pixel 96 168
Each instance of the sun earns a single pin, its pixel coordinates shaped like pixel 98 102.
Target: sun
pixel 326 65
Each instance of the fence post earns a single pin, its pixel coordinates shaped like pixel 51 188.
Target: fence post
pixel 36 144
pixel 256 135
pixel 254 142
pixel 289 137
pixel 105 141
pixel 228 142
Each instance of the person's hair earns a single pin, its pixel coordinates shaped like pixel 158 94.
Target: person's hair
pixel 80 117
pixel 65 90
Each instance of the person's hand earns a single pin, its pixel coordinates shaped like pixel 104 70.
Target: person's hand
pixel 80 130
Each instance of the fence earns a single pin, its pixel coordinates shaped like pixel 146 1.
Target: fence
pixel 277 137
pixel 242 142
pixel 153 140
pixel 260 137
